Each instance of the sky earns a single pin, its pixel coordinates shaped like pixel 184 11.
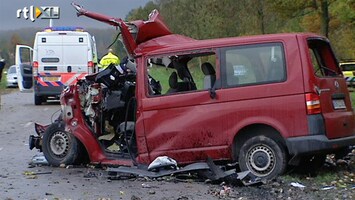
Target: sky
pixel 67 14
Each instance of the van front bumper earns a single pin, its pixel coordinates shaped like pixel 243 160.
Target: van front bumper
pixel 317 144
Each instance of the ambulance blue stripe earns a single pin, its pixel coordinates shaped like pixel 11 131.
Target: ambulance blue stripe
pixel 49 83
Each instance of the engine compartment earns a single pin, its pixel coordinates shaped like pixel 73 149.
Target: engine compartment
pixel 107 101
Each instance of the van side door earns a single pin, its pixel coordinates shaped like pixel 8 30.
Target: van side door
pixel 23 62
pixel 181 119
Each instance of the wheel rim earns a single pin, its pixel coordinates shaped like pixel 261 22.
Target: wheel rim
pixel 261 160
pixel 59 144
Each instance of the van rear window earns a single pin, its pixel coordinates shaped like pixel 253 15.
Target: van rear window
pixel 50 68
pixel 50 60
pixel 322 58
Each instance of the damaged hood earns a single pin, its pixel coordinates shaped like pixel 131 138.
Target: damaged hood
pixel 137 32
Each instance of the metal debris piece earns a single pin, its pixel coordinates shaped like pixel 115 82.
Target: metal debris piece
pixel 296 184
pixel 216 172
pixel 39 159
pixel 327 188
pixel 155 174
pixel 162 162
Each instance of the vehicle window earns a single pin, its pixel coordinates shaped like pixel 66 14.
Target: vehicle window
pixel 195 66
pixel 12 70
pixel 181 73
pixel 348 67
pixel 322 58
pixel 25 55
pixel 253 64
pixel 50 60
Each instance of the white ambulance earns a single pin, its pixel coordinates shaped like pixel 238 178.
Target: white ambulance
pixel 59 57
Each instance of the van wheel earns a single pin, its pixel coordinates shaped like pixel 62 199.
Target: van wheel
pixel 59 147
pixel 38 100
pixel 263 157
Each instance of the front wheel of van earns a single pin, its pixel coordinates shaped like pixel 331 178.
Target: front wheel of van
pixel 263 157
pixel 59 146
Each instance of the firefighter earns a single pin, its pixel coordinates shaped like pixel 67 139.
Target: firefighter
pixel 108 59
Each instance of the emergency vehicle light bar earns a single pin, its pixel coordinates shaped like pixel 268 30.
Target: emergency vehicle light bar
pixel 64 28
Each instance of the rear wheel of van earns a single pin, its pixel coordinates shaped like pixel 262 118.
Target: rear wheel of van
pixel 38 100
pixel 263 157
pixel 59 146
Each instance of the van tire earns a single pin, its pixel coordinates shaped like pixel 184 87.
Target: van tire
pixel 59 147
pixel 38 100
pixel 263 157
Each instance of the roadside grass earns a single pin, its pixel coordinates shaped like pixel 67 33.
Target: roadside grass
pixel 3 88
pixel 3 83
pixel 323 178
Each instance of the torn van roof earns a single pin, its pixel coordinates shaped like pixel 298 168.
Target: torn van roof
pixel 138 32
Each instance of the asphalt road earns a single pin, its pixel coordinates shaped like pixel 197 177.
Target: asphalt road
pixel 19 181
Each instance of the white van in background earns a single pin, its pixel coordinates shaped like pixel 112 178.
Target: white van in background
pixel 59 57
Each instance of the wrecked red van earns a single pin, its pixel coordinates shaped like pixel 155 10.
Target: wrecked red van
pixel 263 101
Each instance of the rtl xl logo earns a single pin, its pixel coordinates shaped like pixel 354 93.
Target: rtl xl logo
pixel 43 12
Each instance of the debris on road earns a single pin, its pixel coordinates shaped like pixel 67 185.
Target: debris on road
pixel 38 159
pixel 327 188
pixel 207 169
pixel 33 175
pixel 298 185
pixel 162 162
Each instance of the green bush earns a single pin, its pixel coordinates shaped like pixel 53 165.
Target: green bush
pixel 3 82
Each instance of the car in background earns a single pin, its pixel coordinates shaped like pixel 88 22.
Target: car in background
pixel 11 77
pixel 348 68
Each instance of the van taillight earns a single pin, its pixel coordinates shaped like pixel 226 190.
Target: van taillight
pixel 313 104
pixel 35 68
pixel 90 67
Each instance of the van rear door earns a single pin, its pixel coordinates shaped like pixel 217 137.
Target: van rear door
pixel 63 56
pixel 49 56
pixel 75 52
pixel 331 89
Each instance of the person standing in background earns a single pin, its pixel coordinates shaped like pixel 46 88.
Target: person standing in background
pixel 108 59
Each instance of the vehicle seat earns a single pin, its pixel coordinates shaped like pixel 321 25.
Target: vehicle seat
pixel 210 75
pixel 173 83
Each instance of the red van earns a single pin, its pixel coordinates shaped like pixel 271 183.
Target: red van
pixel 262 101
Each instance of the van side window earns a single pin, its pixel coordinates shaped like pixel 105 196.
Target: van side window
pixel 182 73
pixel 253 64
